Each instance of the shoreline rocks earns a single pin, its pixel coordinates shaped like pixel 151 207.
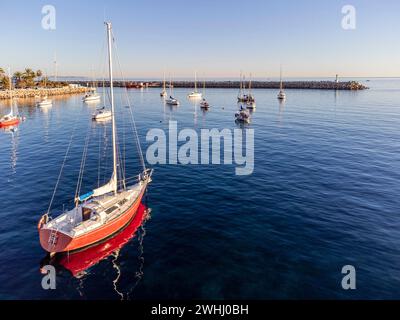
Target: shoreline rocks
pixel 33 92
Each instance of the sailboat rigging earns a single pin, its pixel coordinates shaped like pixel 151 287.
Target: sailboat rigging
pixel 204 104
pixel 245 97
pixel 164 91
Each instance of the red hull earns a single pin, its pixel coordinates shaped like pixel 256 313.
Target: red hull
pixel 80 261
pixel 12 122
pixel 65 243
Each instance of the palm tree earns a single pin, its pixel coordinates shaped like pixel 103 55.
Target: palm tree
pixel 4 82
pixel 39 75
pixel 17 76
pixel 28 77
pixel 44 82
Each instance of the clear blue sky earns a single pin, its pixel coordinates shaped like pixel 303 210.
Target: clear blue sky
pixel 217 38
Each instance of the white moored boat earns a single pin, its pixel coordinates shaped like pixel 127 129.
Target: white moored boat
pixel 102 114
pixel 242 115
pixel 204 104
pixel 91 97
pixel 195 94
pixel 45 102
pixel 163 93
pixel 171 100
pixel 281 94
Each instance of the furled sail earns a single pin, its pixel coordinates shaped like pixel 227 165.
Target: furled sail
pixel 108 187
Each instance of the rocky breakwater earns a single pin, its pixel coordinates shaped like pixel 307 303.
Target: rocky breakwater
pixel 40 92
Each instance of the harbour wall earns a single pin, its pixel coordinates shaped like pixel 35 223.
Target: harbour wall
pixel 322 85
pixel 79 87
pixel 40 92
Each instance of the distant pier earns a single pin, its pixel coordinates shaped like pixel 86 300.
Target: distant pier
pixel 315 85
pixel 78 87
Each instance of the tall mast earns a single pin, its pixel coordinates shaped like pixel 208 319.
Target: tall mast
pixel 195 81
pixel 164 83
pixel 10 84
pixel 241 86
pixel 55 66
pixel 114 135
pixel 281 86
pixel 250 84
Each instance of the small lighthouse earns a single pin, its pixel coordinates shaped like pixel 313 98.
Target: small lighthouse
pixel 337 78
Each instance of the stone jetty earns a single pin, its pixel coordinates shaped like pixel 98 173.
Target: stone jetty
pixel 79 87
pixel 316 85
pixel 35 92
pixel 321 85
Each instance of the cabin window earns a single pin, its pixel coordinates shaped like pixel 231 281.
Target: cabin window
pixel 86 212
pixel 122 202
pixel 109 210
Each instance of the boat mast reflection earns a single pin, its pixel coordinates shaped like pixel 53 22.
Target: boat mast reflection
pixel 13 131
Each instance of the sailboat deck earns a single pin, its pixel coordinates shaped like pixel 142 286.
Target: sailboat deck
pixel 98 210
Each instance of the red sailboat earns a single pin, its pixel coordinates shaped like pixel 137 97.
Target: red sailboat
pixel 77 263
pixel 9 119
pixel 102 212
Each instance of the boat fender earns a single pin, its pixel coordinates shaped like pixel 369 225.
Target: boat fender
pixel 43 220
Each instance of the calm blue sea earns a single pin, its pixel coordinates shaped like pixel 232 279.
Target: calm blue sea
pixel 324 193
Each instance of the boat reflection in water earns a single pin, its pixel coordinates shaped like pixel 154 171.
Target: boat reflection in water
pixel 78 262
pixel 13 132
